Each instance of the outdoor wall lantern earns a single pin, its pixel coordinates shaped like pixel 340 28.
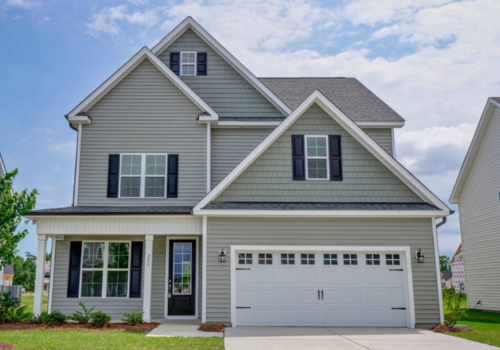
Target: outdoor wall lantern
pixel 420 256
pixel 222 256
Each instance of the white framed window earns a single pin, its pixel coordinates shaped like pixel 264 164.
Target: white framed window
pixel 372 259
pixel 392 259
pixel 245 259
pixel 265 259
pixel 188 63
pixel 330 259
pixel 143 175
pixel 350 259
pixel 307 259
pixel 183 268
pixel 317 167
pixel 287 259
pixel 105 269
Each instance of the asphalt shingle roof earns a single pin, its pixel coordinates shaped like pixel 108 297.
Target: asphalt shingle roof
pixel 91 210
pixel 318 206
pixel 348 94
pixel 496 99
pixel 8 270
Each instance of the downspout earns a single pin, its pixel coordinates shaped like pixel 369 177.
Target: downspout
pixel 444 220
pixel 76 155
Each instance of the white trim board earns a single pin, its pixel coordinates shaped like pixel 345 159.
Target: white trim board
pixel 190 23
pixel 473 149
pixel 317 97
pixel 397 249
pixel 131 64
pixel 323 213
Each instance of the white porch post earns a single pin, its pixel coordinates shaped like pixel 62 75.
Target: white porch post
pixel 204 273
pixel 40 272
pixel 148 277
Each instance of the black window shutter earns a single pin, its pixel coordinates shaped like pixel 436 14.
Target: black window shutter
pixel 335 158
pixel 136 270
pixel 75 258
pixel 175 62
pixel 202 63
pixel 173 175
pixel 298 156
pixel 113 174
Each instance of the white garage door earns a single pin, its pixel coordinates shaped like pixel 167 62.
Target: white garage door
pixel 327 288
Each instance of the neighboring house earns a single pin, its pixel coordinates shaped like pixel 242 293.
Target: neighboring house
pixel 8 275
pixel 477 192
pixel 446 279
pixel 204 192
pixel 458 270
pixel 46 278
pixel 3 170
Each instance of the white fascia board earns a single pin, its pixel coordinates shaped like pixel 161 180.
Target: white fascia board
pixel 380 125
pixel 190 23
pixel 2 165
pixel 473 149
pixel 76 121
pixel 37 218
pixel 322 213
pixel 351 127
pixel 131 64
pixel 247 124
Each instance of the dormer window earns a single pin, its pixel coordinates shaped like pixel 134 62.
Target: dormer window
pixel 188 63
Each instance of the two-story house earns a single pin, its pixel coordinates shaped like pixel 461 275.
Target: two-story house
pixel 202 191
pixel 476 192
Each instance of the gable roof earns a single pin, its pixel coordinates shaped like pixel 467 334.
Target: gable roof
pixel 190 23
pixel 8 270
pixel 79 111
pixel 446 275
pixel 317 97
pixel 459 249
pixel 491 104
pixel 3 170
pixel 348 94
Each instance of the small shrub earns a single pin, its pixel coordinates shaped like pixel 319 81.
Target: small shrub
pixel 100 319
pixel 38 319
pixel 453 301
pixel 82 317
pixel 132 318
pixel 17 314
pixel 6 305
pixel 55 318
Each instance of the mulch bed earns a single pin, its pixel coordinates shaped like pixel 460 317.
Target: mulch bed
pixel 212 327
pixel 442 328
pixel 140 327
pixel 6 345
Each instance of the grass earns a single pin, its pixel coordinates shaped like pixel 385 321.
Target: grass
pixel 485 324
pixel 119 340
pixel 27 301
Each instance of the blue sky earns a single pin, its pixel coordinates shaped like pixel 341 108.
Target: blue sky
pixel 434 61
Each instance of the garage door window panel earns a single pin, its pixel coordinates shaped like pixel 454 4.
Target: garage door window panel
pixel 372 259
pixel 330 259
pixel 265 259
pixel 350 259
pixel 287 259
pixel 245 259
pixel 393 259
pixel 307 259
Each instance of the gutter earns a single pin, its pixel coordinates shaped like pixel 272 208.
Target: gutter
pixel 444 220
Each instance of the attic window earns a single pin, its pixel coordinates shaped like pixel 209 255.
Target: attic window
pixel 188 63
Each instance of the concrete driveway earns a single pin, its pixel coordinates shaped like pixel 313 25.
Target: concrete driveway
pixel 315 338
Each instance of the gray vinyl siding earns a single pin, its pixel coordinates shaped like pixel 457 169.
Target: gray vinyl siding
pixel 144 113
pixel 479 210
pixel 111 306
pixel 270 177
pixel 223 88
pixel 416 233
pixel 230 147
pixel 158 285
pixel 383 137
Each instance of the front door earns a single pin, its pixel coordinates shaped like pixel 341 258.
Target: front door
pixel 182 278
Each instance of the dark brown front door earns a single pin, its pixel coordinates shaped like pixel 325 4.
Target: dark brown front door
pixel 182 278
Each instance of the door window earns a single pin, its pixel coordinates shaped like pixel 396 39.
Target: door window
pixel 182 268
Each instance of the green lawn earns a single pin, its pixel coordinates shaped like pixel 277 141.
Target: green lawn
pixel 27 300
pixel 485 324
pixel 73 340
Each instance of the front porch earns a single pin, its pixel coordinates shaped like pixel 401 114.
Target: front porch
pixel 106 272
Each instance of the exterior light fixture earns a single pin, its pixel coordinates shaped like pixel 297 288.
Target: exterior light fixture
pixel 222 256
pixel 420 256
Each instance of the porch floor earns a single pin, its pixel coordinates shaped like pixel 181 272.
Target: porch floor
pixel 182 328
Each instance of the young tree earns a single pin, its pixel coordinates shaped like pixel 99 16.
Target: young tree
pixel 444 263
pixel 25 272
pixel 13 206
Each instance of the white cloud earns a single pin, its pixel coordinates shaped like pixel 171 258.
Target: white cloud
pixel 110 19
pixel 27 4
pixel 139 2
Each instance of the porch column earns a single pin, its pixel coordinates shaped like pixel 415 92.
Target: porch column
pixel 148 277
pixel 40 274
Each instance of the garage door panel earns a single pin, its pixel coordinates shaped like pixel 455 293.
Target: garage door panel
pixel 282 293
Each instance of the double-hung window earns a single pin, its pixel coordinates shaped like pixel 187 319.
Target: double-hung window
pixel 317 157
pixel 188 63
pixel 143 175
pixel 105 269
